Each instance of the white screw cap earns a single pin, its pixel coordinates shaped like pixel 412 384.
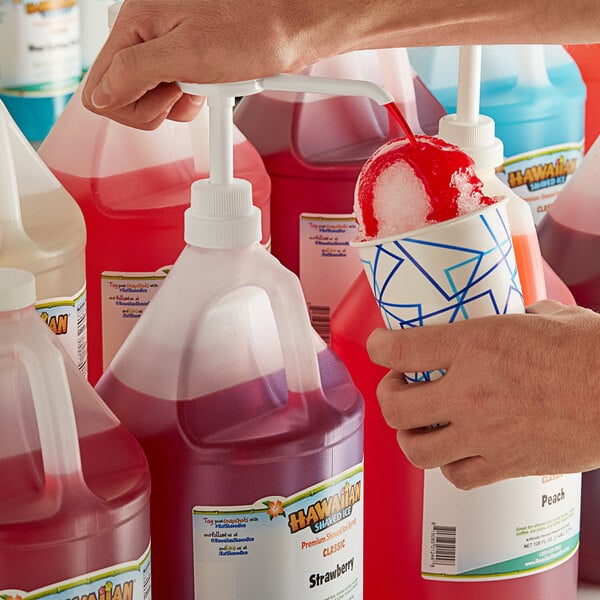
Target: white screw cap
pixel 222 215
pixel 478 139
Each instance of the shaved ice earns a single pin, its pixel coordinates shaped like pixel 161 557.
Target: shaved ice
pixel 404 187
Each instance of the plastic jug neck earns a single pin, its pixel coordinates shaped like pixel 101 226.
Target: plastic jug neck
pixel 467 129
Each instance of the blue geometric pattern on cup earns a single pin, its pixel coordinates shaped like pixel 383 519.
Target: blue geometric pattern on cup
pixel 445 282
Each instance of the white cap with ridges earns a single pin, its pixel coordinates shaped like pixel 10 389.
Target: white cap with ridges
pixel 467 129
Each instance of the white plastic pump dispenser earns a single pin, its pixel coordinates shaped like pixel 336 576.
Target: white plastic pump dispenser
pixel 475 134
pixel 221 213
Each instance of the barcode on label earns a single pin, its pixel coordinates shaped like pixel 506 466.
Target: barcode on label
pixel 320 319
pixel 443 545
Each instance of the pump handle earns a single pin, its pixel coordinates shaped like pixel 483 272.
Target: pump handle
pixel 292 83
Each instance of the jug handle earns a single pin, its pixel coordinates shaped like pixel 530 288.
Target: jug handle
pixel 57 428
pixel 293 324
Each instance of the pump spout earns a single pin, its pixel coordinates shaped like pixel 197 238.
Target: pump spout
pixel 327 85
pixel 293 83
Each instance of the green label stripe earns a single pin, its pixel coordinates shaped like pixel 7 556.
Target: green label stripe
pixel 289 501
pixel 91 579
pixel 522 565
pixel 575 146
pixel 66 86
pixel 62 302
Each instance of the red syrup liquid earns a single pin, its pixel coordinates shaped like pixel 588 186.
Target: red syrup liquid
pixel 435 163
pixel 134 224
pixel 232 448
pixel 573 254
pixel 54 528
pixel 396 115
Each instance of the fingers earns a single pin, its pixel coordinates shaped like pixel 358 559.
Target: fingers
pixel 436 447
pixel 137 86
pixel 412 406
pixel 472 472
pixel 416 349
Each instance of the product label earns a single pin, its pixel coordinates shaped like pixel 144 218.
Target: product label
pixel 39 46
pixel 509 529
pixel 124 298
pixel 328 264
pixel 67 318
pixel 305 546
pixel 539 176
pixel 126 581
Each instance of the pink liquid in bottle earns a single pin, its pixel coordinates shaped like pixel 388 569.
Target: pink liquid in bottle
pixel 93 526
pixel 572 252
pixel 133 212
pixel 233 448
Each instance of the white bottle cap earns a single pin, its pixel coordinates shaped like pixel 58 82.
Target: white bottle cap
pixel 478 139
pixel 17 289
pixel 222 215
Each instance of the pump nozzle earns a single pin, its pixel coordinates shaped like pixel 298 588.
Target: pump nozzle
pixel 467 129
pixel 222 214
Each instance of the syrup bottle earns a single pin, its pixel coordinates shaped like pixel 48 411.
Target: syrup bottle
pixel 74 500
pixel 570 241
pixel 42 231
pixel 251 425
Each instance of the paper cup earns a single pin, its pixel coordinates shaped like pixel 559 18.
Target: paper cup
pixel 454 270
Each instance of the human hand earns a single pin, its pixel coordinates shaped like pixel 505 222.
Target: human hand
pixel 154 43
pixel 521 394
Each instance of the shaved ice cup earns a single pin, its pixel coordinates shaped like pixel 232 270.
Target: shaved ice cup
pixel 449 271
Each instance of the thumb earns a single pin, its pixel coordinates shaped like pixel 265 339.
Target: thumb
pixel 133 81
pixel 414 349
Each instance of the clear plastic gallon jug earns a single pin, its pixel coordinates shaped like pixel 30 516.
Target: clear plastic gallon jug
pixel 42 231
pixel 536 97
pixel 587 57
pixel 570 241
pixel 313 150
pixel 133 187
pixel 74 500
pixel 252 427
pixel 40 61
